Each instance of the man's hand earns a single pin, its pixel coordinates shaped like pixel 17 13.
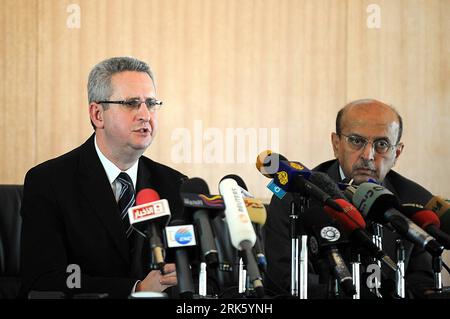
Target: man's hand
pixel 157 282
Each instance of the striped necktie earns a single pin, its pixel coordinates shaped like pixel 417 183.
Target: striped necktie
pixel 126 200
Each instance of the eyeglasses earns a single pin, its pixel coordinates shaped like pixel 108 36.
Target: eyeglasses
pixel 357 143
pixel 151 103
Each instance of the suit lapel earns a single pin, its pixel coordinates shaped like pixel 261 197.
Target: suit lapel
pixel 95 187
pixel 333 172
pixel 143 177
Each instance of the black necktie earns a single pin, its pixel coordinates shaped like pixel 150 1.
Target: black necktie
pixel 126 200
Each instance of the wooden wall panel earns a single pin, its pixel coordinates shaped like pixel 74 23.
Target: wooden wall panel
pixel 259 67
pixel 18 46
pixel 405 63
pixel 65 58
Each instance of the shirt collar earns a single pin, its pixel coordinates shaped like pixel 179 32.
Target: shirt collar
pixel 112 171
pixel 341 173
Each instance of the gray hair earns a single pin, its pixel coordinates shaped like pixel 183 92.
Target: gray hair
pixel 99 82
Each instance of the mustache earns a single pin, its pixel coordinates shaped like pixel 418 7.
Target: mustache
pixel 365 165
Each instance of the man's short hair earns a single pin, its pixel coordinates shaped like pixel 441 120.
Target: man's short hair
pixel 341 112
pixel 99 82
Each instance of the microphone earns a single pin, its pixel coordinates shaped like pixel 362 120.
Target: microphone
pixel 178 236
pixel 428 220
pixel 442 208
pixel 201 219
pixel 380 205
pixel 148 217
pixel 350 219
pixel 257 213
pixel 256 210
pixel 227 257
pixel 242 234
pixel 236 214
pixel 291 176
pixel 209 202
pixel 353 223
pixel 326 235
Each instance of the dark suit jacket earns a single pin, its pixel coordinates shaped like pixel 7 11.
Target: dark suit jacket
pixel 70 216
pixel 419 274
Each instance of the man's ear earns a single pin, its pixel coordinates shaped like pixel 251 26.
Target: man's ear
pixel 96 114
pixel 335 141
pixel 398 151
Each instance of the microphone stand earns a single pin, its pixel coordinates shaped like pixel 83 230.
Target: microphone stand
pixel 400 274
pixel 356 274
pixel 437 268
pixel 293 219
pixel 299 249
pixel 377 240
pixel 438 291
pixel 202 280
pixel 242 276
pixel 304 268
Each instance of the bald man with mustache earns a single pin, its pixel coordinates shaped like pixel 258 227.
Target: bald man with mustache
pixel 366 144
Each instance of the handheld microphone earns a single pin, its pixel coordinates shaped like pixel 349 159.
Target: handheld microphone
pixel 180 235
pixel 291 176
pixel 256 210
pixel 148 217
pixel 380 205
pixel 201 219
pixel 199 200
pixel 428 220
pixel 236 214
pixel 350 219
pixel 242 234
pixel 326 235
pixel 257 213
pixel 442 208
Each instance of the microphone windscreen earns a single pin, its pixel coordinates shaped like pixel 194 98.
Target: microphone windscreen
pixel 425 218
pixel 267 163
pixel 350 219
pixel 256 210
pixel 438 205
pixel 420 215
pixel 236 214
pixel 324 228
pixel 373 200
pixel 146 195
pixel 324 182
pixel 195 185
pixel 238 180
pixel 442 208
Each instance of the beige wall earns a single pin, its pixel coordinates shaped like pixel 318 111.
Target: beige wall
pixel 286 64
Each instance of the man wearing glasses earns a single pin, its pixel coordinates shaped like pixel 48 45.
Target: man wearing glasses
pixel 75 206
pixel 366 145
pixel 367 141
